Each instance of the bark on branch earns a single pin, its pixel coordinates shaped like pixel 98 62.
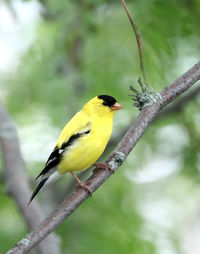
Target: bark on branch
pixel 17 184
pixel 116 158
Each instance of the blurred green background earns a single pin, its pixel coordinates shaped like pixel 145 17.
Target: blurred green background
pixel 55 56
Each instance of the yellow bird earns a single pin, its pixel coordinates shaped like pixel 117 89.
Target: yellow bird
pixel 81 142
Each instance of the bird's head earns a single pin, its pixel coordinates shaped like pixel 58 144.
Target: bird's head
pixel 102 105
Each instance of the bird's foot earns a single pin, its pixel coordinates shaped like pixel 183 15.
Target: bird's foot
pixel 105 166
pixel 85 187
pixel 81 184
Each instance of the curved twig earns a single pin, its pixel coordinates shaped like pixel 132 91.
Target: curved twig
pixel 138 39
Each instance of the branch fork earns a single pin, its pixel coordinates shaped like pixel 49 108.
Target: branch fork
pixel 145 98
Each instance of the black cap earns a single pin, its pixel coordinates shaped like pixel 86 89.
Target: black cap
pixel 107 100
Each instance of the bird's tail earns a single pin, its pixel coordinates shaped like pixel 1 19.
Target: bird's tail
pixel 44 182
pixel 40 185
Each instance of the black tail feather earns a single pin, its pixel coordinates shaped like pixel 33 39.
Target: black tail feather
pixel 38 176
pixel 40 185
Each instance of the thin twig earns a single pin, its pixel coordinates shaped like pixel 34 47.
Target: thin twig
pixel 126 145
pixel 138 39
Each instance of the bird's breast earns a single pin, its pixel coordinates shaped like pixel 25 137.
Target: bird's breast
pixel 83 153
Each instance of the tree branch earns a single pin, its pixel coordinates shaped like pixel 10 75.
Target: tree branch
pixel 68 206
pixel 179 105
pixel 16 181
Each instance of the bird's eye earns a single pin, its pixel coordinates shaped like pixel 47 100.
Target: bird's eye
pixel 105 103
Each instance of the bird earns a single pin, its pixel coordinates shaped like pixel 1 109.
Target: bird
pixel 81 142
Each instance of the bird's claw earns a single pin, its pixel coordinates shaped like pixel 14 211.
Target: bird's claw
pixel 85 187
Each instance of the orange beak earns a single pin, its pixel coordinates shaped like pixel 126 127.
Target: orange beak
pixel 116 106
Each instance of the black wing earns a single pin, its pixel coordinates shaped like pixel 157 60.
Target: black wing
pixel 52 161
pixel 56 156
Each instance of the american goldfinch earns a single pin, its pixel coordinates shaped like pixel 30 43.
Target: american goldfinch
pixel 81 142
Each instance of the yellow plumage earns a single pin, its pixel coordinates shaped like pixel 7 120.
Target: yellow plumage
pixel 83 153
pixel 82 141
